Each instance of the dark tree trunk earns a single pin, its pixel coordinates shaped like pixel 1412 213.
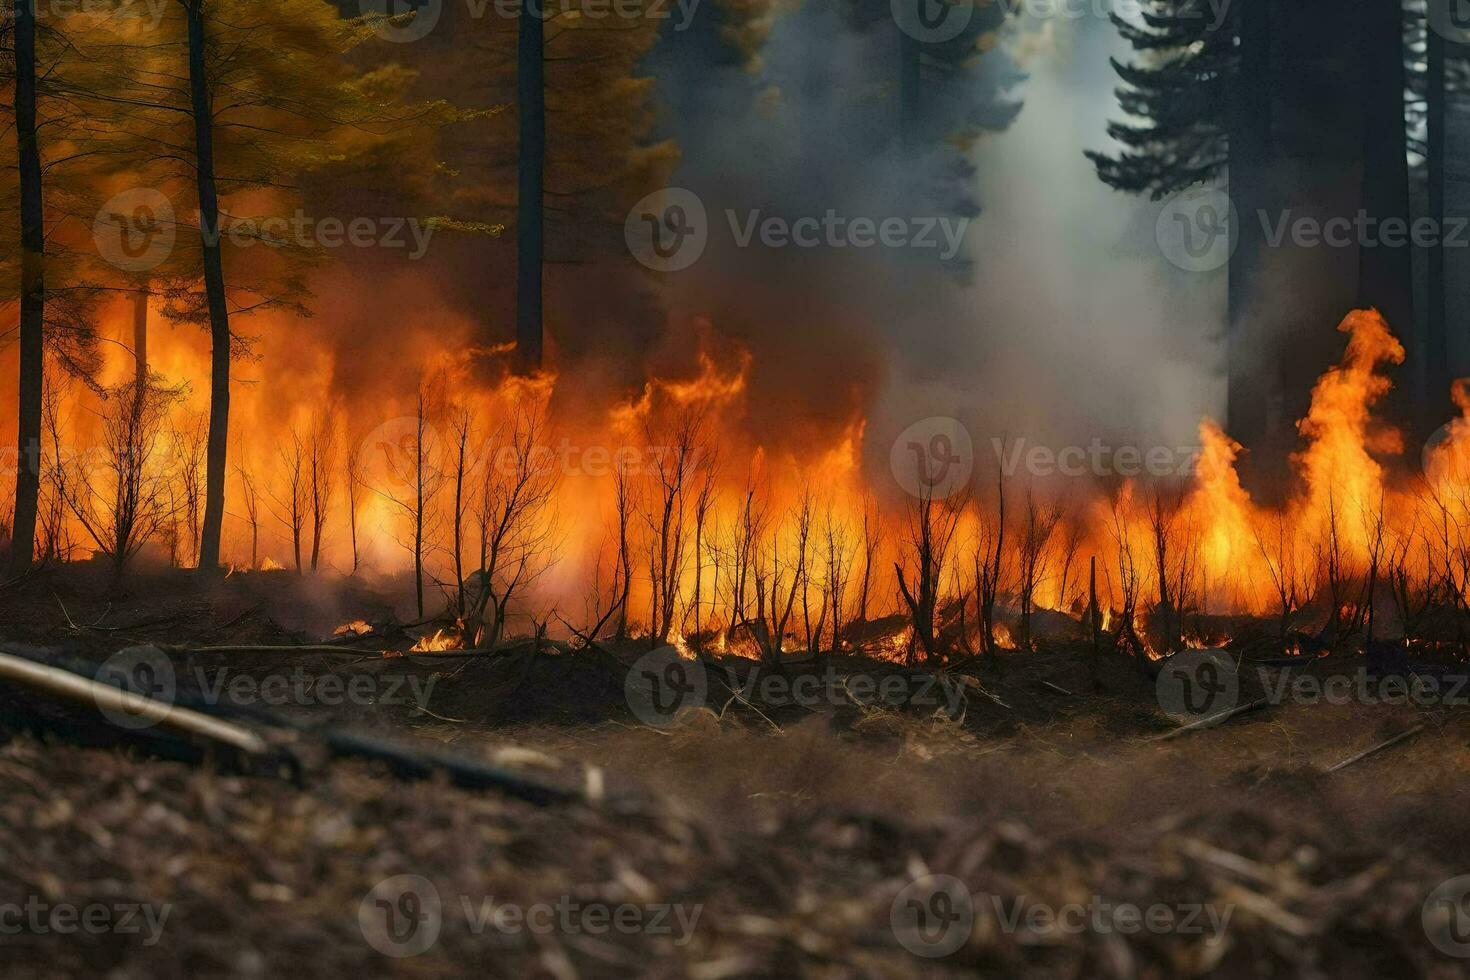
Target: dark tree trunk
pixel 531 170
pixel 1436 345
pixel 1385 272
pixel 33 292
pixel 908 90
pixel 1296 163
pixel 418 511
pixel 214 288
pixel 1250 135
pixel 140 339
pixel 459 607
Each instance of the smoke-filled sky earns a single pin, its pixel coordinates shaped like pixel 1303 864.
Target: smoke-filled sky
pixel 1076 327
pixel 1070 326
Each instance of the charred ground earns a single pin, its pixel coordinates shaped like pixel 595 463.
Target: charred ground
pixel 792 827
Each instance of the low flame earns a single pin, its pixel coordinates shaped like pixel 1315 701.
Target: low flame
pixel 1229 553
pixel 441 640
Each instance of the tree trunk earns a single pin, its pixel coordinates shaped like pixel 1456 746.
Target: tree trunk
pixel 1385 272
pixel 418 514
pixel 459 609
pixel 1436 346
pixel 1250 128
pixel 909 78
pixel 530 234
pixel 698 578
pixel 214 288
pixel 33 292
pixel 140 339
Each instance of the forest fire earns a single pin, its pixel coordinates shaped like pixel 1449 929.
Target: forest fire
pixel 720 490
pixel 665 519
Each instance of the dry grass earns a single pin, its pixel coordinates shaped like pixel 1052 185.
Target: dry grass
pixel 793 843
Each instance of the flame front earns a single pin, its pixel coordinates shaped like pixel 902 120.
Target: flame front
pixel 718 530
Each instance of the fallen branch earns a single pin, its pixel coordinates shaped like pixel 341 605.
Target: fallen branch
pixel 234 622
pixel 409 764
pixel 1215 719
pixel 735 695
pixel 973 683
pixel 82 690
pixel 1374 750
pixel 405 762
pixel 273 648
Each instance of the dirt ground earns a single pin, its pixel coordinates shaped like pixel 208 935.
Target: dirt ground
pixel 1027 822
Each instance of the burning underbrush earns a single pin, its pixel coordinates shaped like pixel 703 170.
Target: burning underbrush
pixel 799 805
pixel 500 514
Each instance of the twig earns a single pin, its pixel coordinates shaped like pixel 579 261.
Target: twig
pixel 1374 750
pixel 737 696
pixel 973 683
pixel 268 648
pixel 224 626
pixel 1215 719
pixel 455 721
pixel 74 627
pixel 1056 687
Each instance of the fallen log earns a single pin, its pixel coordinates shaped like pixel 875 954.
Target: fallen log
pixel 65 684
pixel 279 746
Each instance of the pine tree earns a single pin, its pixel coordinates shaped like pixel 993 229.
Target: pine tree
pixel 40 266
pixel 1302 106
pixel 1181 90
pixel 587 138
pixel 243 100
pixel 32 287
